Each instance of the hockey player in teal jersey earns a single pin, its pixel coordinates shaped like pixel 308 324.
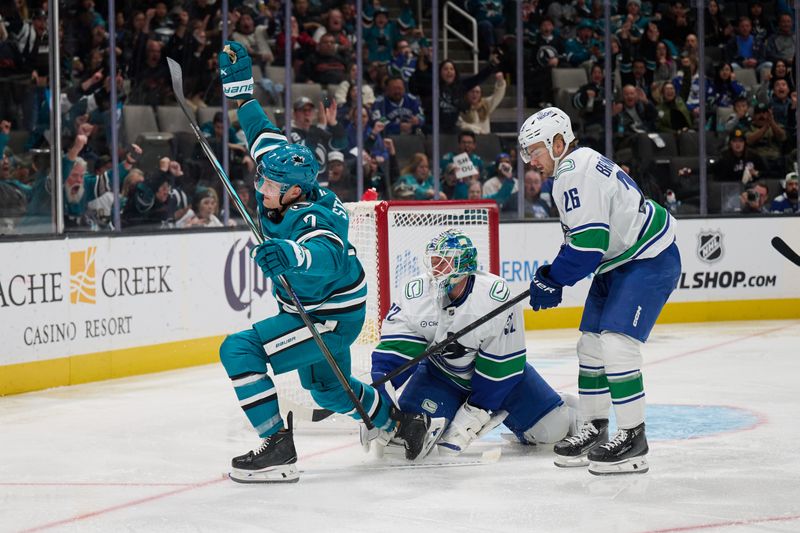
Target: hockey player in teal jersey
pixel 628 242
pixel 305 228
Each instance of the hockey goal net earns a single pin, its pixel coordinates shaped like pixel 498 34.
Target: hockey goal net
pixel 390 239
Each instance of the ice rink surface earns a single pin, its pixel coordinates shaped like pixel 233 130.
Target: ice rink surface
pixel 150 453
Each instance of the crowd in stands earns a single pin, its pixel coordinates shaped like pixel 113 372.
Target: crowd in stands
pixel 749 122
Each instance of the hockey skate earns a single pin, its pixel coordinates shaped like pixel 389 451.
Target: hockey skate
pixel 272 462
pixel 624 454
pixel 572 450
pixel 415 432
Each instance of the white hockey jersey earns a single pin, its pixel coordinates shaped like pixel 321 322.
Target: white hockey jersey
pixel 605 218
pixel 488 361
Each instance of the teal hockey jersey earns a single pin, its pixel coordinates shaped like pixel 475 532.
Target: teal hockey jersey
pixel 333 286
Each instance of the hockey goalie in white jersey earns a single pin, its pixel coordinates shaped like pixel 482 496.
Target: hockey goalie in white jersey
pixel 481 379
pixel 628 243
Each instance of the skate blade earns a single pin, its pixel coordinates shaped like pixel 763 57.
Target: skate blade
pixel 565 461
pixel 273 474
pixel 634 465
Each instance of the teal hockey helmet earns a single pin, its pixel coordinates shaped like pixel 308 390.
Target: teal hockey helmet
pixel 449 257
pixel 289 165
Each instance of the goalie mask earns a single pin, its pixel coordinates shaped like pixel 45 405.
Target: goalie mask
pixel 449 258
pixel 288 165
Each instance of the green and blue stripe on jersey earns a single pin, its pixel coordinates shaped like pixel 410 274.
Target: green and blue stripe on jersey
pixel 584 252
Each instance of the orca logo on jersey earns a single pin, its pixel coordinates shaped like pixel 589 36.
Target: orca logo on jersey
pixel 454 350
pixel 709 246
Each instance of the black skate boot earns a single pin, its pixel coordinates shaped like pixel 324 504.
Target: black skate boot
pixel 413 431
pixel 572 450
pixel 625 453
pixel 272 462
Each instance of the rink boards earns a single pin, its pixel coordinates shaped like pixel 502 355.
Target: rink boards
pixel 85 309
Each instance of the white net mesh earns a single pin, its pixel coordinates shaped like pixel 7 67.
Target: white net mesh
pixel 408 228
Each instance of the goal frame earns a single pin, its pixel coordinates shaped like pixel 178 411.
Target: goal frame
pixel 382 209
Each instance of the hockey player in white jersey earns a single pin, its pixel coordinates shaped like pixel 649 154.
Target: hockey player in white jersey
pixel 481 379
pixel 629 244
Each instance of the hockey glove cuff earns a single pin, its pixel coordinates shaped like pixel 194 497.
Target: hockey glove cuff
pixel 277 256
pixel 236 71
pixel 545 293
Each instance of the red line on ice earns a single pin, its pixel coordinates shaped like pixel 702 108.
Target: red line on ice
pixel 185 488
pixel 728 523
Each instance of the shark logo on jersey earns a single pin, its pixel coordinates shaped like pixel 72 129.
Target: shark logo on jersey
pixel 709 246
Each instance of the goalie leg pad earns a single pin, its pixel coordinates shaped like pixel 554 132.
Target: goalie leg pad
pixel 552 427
pixel 470 423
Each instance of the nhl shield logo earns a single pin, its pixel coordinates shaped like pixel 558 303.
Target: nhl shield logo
pixel 709 246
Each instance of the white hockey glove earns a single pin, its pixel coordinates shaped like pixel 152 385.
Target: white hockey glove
pixel 470 423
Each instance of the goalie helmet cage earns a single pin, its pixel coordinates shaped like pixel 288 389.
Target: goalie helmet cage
pixel 390 239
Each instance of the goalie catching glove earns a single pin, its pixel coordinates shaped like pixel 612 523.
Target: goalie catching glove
pixel 236 71
pixel 278 256
pixel 470 423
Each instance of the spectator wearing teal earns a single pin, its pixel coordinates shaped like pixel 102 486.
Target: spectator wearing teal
pixel 491 21
pixel 417 176
pixel 583 47
pixel 501 186
pixel 381 36
pixel 81 188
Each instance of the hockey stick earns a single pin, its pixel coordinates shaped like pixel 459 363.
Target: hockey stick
pixel 317 415
pixel 177 86
pixel 786 251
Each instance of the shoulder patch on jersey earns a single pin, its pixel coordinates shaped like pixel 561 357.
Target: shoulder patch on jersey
pixel 499 291
pixel 301 205
pixel 414 288
pixel 565 166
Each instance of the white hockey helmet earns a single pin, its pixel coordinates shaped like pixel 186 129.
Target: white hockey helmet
pixel 543 126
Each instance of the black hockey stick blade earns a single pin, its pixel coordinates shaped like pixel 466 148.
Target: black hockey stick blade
pixel 176 75
pixel 785 250
pixel 321 414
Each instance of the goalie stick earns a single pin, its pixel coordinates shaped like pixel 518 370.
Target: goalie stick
pixel 785 250
pixel 317 415
pixel 176 74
